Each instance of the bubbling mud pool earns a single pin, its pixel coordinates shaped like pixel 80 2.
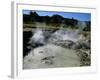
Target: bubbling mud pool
pixel 51 56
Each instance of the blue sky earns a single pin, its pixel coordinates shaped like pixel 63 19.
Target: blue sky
pixel 78 16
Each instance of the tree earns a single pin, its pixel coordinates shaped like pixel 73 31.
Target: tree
pixel 34 16
pixel 56 19
pixel 46 19
pixel 88 26
pixel 71 22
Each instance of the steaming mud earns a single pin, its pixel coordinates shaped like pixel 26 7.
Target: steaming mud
pixel 62 48
pixel 71 35
pixel 38 37
pixel 60 57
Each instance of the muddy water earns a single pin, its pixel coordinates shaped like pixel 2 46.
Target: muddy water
pixel 59 57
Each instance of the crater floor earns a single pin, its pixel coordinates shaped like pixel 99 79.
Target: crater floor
pixel 51 56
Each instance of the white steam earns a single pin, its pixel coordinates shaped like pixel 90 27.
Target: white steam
pixel 38 37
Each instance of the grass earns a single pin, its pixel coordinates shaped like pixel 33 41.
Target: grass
pixel 29 27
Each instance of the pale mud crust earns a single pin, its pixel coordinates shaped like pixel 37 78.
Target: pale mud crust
pixel 51 56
